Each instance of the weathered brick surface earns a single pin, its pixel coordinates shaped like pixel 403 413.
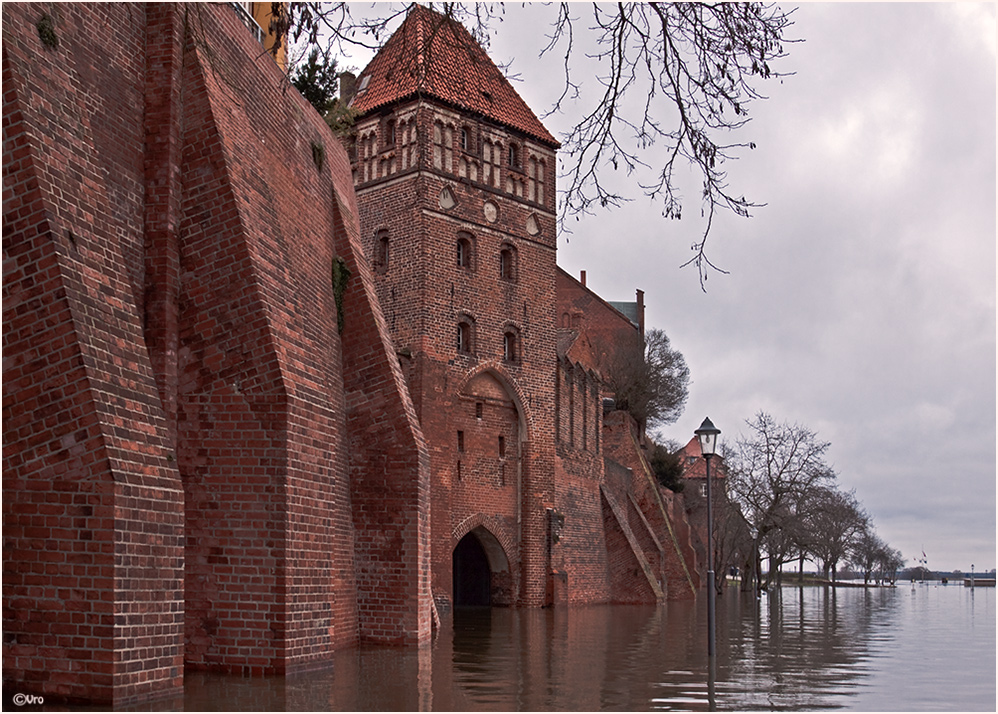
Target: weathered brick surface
pixel 178 417
pixel 623 447
pixel 93 519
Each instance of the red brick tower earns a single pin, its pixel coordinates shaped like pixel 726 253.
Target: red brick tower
pixel 456 194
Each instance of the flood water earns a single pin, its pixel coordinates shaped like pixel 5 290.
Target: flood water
pixel 927 648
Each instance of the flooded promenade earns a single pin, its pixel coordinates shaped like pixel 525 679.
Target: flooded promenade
pixel 927 648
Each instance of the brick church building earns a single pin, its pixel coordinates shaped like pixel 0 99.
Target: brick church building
pixel 265 398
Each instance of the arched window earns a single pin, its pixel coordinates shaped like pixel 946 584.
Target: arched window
pixel 510 346
pixel 381 250
pixel 540 182
pixel 507 263
pixel 389 133
pixel 465 336
pixel 465 249
pixel 465 139
pixel 443 149
pixel 514 155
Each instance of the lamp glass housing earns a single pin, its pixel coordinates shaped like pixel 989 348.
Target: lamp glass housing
pixel 707 434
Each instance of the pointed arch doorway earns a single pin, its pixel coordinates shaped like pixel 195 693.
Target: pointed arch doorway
pixel 480 571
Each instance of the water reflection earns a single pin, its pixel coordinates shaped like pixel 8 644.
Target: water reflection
pixel 795 649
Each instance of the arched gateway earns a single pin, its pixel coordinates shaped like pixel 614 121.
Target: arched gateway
pixel 480 571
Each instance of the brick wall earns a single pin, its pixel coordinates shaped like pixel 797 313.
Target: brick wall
pixel 177 415
pixel 93 520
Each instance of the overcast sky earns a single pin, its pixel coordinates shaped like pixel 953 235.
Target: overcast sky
pixel 860 301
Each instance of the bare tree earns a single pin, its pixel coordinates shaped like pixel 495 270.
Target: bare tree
pixel 678 77
pixel 889 562
pixel 868 553
pixel 771 472
pixel 732 540
pixel 836 523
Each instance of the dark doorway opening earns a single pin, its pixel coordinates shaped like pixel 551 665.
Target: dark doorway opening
pixel 471 574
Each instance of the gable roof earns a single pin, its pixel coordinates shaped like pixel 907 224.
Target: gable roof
pixel 433 55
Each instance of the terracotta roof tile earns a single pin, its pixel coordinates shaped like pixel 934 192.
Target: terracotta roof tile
pixel 433 55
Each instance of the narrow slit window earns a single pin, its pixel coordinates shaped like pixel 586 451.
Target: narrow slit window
pixel 464 338
pixel 507 263
pixel 464 252
pixel 460 442
pixel 509 347
pixel 381 252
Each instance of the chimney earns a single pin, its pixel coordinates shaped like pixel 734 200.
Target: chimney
pixel 582 278
pixel 641 311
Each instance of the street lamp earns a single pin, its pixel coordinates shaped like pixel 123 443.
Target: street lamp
pixel 707 434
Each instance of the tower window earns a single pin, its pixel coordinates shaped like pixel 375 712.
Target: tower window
pixel 509 346
pixel 390 133
pixel 460 441
pixel 507 260
pixel 465 337
pixel 514 156
pixel 465 139
pixel 464 251
pixel 381 252
pixel 478 410
pixel 502 447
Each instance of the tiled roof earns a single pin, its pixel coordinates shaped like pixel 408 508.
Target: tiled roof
pixel 433 55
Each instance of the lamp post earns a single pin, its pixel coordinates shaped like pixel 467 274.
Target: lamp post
pixel 707 434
